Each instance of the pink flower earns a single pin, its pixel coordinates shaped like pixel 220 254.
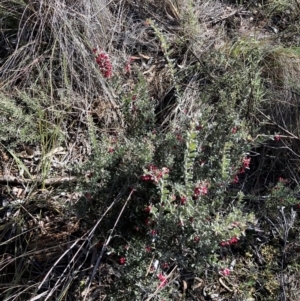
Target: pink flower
pixel 241 170
pixel 225 272
pixel 282 180
pixel 183 200
pixel 229 242
pixel 246 162
pixel 154 174
pixel 104 63
pixel 163 280
pixel 153 232
pixel 148 249
pixel 147 178
pixel 233 240
pixel 224 243
pixel 122 260
pixel 200 190
pixel 235 179
pixel 147 209
pixel 234 130
pixel 277 137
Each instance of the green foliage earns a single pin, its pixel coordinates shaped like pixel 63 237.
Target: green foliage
pixel 17 121
pixel 138 110
pixel 188 210
pixel 166 50
pixel 279 6
pixel 190 155
pixel 280 195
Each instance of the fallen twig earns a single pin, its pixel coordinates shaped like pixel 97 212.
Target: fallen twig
pixel 51 181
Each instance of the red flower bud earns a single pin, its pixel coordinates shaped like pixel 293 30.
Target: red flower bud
pixel 122 260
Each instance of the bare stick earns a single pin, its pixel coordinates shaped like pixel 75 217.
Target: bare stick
pixel 104 246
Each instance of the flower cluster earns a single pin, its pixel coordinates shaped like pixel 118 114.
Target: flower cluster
pixel 229 242
pixel 236 179
pixel 234 130
pixel 200 189
pixel 122 260
pixel 277 137
pixel 246 162
pixel 163 280
pixel 196 239
pixel 282 180
pixel 182 200
pixel 153 233
pixel 225 272
pixel 154 174
pixel 104 63
pixel 148 209
pixel 245 165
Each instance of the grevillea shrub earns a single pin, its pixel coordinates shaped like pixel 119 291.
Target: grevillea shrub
pixel 188 206
pixel 181 222
pixel 183 213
